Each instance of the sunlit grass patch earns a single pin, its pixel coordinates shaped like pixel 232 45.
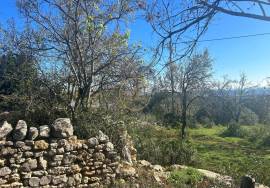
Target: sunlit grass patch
pixel 189 176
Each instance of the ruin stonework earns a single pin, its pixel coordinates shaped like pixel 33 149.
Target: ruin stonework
pixel 51 156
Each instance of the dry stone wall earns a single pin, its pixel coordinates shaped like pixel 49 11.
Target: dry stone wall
pixel 51 156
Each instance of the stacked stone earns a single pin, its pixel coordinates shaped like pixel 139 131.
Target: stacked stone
pixel 51 156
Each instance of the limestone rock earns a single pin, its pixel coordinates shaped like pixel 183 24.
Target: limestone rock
pixel 2 162
pixel 99 156
pixel 133 152
pixel 29 142
pixel 58 157
pixel 26 148
pixel 32 133
pixel 41 145
pixel 157 168
pixel 15 177
pixel 94 179
pixel 7 151
pixel 69 158
pixel 177 167
pixel 39 173
pixel 2 181
pixel 144 163
pixel 222 179
pixel 85 179
pixel 92 142
pixel 45 180
pixel 62 128
pixel 156 177
pixel 96 184
pixel 58 170
pixel 20 130
pixel 109 146
pixel 42 163
pixel 102 137
pixel 160 176
pixel 8 143
pixel 71 182
pixel 20 144
pixel 78 178
pixel 257 185
pixel 59 179
pixel 15 184
pixel 75 168
pixel 29 165
pixel 28 154
pixel 5 130
pixel 60 150
pixel 126 170
pixel 44 131
pixel 34 182
pixel 126 154
pixel 4 171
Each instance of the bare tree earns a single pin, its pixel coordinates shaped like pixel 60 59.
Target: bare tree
pixel 240 92
pixel 171 47
pixel 255 9
pixel 193 80
pixel 86 40
pixel 178 23
pixel 219 100
pixel 188 20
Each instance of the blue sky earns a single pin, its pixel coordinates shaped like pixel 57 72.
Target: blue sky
pixel 231 57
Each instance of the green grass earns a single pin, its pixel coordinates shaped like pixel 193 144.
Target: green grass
pixel 230 155
pixel 226 155
pixel 189 176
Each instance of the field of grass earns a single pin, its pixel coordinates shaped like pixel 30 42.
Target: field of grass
pixel 226 155
pixel 230 155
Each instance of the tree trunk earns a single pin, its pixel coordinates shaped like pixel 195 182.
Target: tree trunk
pixel 172 88
pixel 184 114
pixel 171 75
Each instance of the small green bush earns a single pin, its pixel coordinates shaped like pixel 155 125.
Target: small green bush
pixel 162 146
pixel 171 119
pixel 233 130
pixel 206 122
pixel 259 135
pixel 248 117
pixel 191 122
pixel 189 176
pixel 88 124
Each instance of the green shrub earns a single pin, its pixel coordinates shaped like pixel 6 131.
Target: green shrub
pixel 265 141
pixel 189 176
pixel 191 122
pixel 171 119
pixel 233 130
pixel 162 146
pixel 88 124
pixel 259 135
pixel 207 122
pixel 248 117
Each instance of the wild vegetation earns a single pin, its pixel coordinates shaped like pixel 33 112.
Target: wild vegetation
pixel 207 148
pixel 75 59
